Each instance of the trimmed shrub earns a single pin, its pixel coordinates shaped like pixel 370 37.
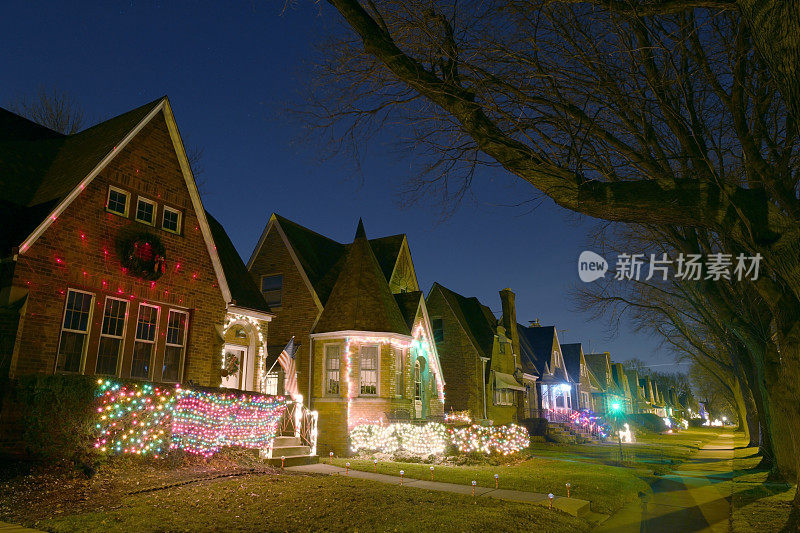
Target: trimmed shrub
pixel 648 421
pixel 58 415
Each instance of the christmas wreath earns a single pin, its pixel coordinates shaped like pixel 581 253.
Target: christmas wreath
pixel 231 365
pixel 144 256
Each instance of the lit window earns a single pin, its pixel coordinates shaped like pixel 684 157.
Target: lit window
pixel 112 336
pixel 399 369
pixel 332 365
pixel 438 329
pixel 272 289
pixel 145 211
pixel 74 331
pixel 271 384
pixel 117 201
pixel 369 370
pixel 176 343
pixel 171 220
pixel 145 343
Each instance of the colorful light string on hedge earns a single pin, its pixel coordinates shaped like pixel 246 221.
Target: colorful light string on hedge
pixel 143 418
pixel 433 438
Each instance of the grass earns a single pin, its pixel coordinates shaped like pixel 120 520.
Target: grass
pixel 136 496
pixel 607 487
pixel 756 505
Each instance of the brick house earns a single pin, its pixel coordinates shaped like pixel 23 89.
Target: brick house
pixel 109 264
pixel 541 354
pixel 479 355
pixel 364 338
pixel 623 387
pixel 608 395
pixel 586 384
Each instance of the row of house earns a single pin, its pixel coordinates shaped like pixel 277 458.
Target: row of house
pixel 111 266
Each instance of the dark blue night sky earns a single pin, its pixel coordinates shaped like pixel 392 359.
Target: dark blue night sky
pixel 230 70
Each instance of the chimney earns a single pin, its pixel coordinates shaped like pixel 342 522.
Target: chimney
pixel 509 321
pixel 534 323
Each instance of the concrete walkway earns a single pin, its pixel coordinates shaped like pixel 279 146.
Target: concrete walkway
pixel 695 498
pixel 571 506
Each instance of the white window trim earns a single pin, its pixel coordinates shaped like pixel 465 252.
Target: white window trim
pixel 154 342
pixel 155 211
pixel 180 219
pixel 182 346
pixel 82 366
pixel 377 371
pixel 402 354
pixel 122 338
pixel 325 369
pixel 268 377
pixel 127 201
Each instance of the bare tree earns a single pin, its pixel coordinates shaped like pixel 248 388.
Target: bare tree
pixel 52 109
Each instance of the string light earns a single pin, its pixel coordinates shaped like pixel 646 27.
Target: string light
pixel 456 417
pixel 504 440
pixel 232 319
pixel 143 418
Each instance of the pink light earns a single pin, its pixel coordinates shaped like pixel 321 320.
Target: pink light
pixel 83 235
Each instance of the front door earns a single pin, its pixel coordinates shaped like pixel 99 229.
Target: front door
pixel 235 372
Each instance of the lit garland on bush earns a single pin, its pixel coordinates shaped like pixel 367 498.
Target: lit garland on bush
pixel 504 440
pixel 143 418
pixel 430 439
pixel 205 422
pixel 134 418
pixel 458 417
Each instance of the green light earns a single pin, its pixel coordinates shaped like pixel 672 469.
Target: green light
pixel 615 407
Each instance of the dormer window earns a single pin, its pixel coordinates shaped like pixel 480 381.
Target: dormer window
pixel 117 201
pixel 145 211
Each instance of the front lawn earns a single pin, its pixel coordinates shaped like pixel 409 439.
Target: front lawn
pixel 607 487
pixel 144 496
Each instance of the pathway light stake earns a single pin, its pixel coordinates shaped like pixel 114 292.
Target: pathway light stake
pixel 473 486
pixel 331 458
pixel 401 477
pixel 283 458
pixel 569 486
pixel 375 462
pixel 347 468
pixel 550 497
pixel 497 481
pixel 431 473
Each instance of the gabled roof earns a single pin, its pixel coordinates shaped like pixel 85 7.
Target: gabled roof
pixel 599 364
pixel 633 383
pixel 572 358
pixel 244 291
pixel 40 167
pixel 360 299
pixel 322 258
pixel 409 303
pixel 536 347
pixel 476 319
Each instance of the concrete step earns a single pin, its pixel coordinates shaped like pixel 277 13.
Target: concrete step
pixel 284 441
pixel 293 460
pixel 277 451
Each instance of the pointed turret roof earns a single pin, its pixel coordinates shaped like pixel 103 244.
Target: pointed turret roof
pixel 361 299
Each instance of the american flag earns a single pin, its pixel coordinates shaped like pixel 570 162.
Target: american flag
pixel 286 359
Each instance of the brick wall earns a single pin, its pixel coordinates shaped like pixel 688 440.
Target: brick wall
pixel 79 250
pixel 298 312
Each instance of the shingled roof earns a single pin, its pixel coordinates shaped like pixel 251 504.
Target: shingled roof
pixel 477 320
pixel 322 258
pixel 360 299
pixel 597 363
pixel 409 303
pixel 244 291
pixel 40 167
pixel 536 347
pixel 572 358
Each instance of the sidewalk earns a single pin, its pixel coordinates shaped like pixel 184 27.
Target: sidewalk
pixel 13 528
pixel 571 506
pixel 692 499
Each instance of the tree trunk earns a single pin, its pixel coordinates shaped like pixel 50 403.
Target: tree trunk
pixel 751 415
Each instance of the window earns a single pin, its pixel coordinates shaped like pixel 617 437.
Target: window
pixel 503 397
pixel 117 201
pixel 272 289
pixel 112 336
pixel 171 220
pixel 271 384
pixel 74 331
pixel 145 211
pixel 369 370
pixel 438 329
pixel 399 370
pixel 176 343
pixel 502 347
pixel 417 381
pixel 332 374
pixel 145 343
